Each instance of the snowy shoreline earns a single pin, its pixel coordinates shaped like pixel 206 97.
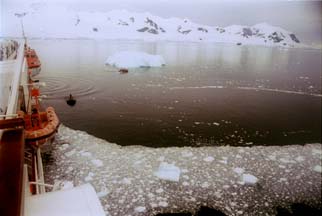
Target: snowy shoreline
pixel 122 24
pixel 234 180
pixel 302 46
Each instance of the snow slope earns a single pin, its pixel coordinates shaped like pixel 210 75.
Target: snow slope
pixel 53 22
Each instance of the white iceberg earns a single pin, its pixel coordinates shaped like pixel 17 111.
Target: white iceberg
pixel 168 172
pixel 134 59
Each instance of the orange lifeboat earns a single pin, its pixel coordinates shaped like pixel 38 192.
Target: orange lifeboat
pixel 33 62
pixel 40 127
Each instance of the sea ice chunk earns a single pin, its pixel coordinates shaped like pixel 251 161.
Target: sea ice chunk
pixel 86 154
pixel 102 193
pixel 238 170
pixel 89 177
pixel 97 162
pixel 64 146
pixel 134 59
pixel 316 151
pixel 62 185
pixel 140 209
pixel 163 204
pixel 187 154
pixel 249 179
pixel 209 159
pixel 317 168
pixel 160 190
pixel 70 153
pixel 127 181
pixel 168 172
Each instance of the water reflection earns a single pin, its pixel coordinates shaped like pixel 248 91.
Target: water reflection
pixel 261 59
pixel 207 94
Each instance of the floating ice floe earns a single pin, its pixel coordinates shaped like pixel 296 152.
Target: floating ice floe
pixel 62 185
pixel 168 172
pixel 102 193
pixel 286 160
pixel 316 151
pixel 85 154
pixel 209 159
pixel 239 170
pixel 300 159
pixel 272 157
pixel 163 204
pixel 89 177
pixel 64 146
pixel 140 209
pixel 97 163
pixel 127 181
pixel 134 59
pixel 222 184
pixel 205 185
pixel 249 179
pixel 70 153
pixel 317 168
pixel 187 154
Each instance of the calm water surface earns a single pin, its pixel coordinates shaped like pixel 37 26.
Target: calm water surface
pixel 207 94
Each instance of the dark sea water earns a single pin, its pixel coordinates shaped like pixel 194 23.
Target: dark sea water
pixel 206 95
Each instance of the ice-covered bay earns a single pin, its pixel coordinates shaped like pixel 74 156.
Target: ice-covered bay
pixel 125 180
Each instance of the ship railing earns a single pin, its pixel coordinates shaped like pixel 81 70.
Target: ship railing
pixel 14 88
pixel 39 173
pixel 39 182
pixel 33 161
pixel 8 116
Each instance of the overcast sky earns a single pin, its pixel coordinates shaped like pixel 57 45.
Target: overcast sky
pixel 304 18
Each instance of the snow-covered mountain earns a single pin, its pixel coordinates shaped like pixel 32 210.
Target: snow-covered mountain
pixel 48 22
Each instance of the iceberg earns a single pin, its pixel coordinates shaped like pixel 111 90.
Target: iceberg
pixel 168 172
pixel 134 59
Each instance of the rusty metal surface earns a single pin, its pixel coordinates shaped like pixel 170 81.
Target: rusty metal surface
pixel 11 123
pixel 11 171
